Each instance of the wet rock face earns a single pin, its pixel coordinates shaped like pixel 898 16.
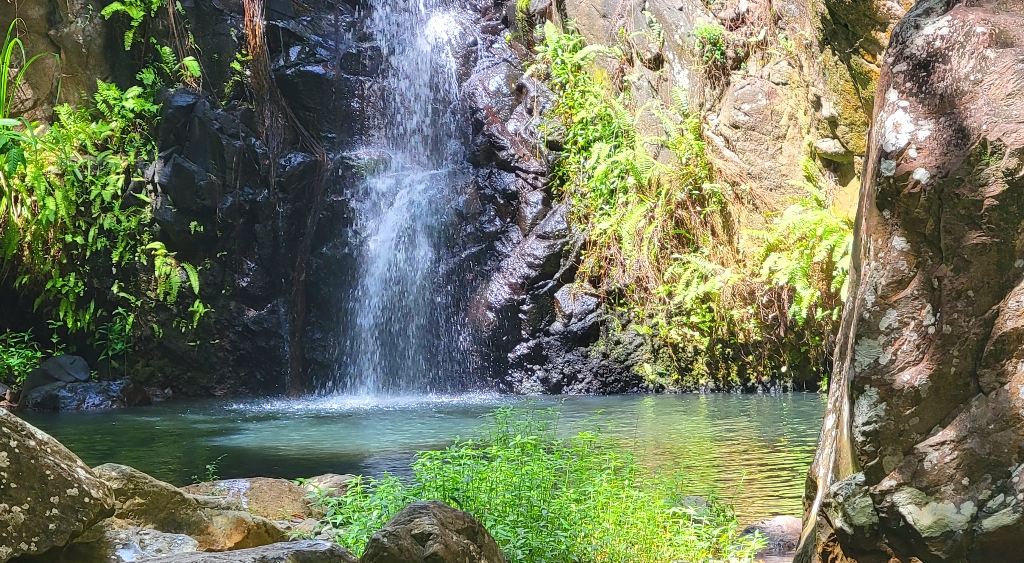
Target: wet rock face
pixel 930 354
pixel 48 496
pixel 432 532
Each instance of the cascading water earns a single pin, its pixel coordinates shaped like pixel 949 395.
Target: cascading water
pixel 401 330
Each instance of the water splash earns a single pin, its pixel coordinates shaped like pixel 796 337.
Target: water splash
pixel 401 334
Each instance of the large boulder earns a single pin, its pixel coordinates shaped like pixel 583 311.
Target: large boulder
pixel 216 524
pixel 923 442
pixel 434 532
pixel 292 552
pixel 48 496
pixel 66 369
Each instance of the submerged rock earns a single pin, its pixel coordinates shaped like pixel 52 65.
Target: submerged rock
pixel 216 523
pixel 920 453
pixel 432 532
pixel 47 495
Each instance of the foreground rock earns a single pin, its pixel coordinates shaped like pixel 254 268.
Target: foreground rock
pixel 274 499
pixel 293 552
pixel 217 523
pixel 113 541
pixel 47 495
pixel 920 455
pixel 434 532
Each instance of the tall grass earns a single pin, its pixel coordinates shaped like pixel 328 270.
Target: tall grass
pixel 549 500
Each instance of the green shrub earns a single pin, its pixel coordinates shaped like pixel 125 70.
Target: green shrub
pixel 710 41
pixel 549 500
pixel 19 355
pixel 66 214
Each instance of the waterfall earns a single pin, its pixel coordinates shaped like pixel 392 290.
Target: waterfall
pixel 401 333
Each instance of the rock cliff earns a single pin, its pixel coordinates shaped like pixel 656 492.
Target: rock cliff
pixel 921 451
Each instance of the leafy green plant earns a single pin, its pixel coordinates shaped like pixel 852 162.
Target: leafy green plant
pixel 661 238
pixel 710 42
pixel 113 339
pixel 136 11
pixel 548 500
pixel 19 355
pixel 211 471
pixel 66 213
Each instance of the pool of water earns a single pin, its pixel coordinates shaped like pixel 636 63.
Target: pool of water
pixel 753 450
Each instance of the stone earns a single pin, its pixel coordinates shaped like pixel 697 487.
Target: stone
pixel 434 532
pixel 919 455
pixel 781 532
pixel 67 369
pixel 114 541
pixel 217 523
pixel 329 484
pixel 274 499
pixel 93 395
pixel 832 149
pixel 308 551
pixel 48 496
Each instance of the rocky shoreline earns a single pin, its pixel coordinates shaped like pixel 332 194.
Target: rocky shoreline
pixel 56 509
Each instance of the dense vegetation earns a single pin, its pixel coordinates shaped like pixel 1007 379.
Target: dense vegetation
pixel 663 242
pixel 549 500
pixel 76 234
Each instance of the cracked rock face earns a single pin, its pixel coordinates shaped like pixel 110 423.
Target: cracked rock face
pixel 923 444
pixel 48 496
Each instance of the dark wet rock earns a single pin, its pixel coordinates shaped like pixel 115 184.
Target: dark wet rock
pixel 781 532
pixel 578 312
pixel 522 282
pixel 308 551
pixel 920 454
pixel 67 369
pixel 561 364
pixel 274 499
pixel 87 396
pixel 217 523
pixel 432 532
pixel 48 496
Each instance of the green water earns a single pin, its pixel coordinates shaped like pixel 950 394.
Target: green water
pixel 753 450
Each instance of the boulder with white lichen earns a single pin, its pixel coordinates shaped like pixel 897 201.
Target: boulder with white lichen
pixel 922 448
pixel 48 496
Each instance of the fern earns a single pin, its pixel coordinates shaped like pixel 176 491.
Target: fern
pixel 136 11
